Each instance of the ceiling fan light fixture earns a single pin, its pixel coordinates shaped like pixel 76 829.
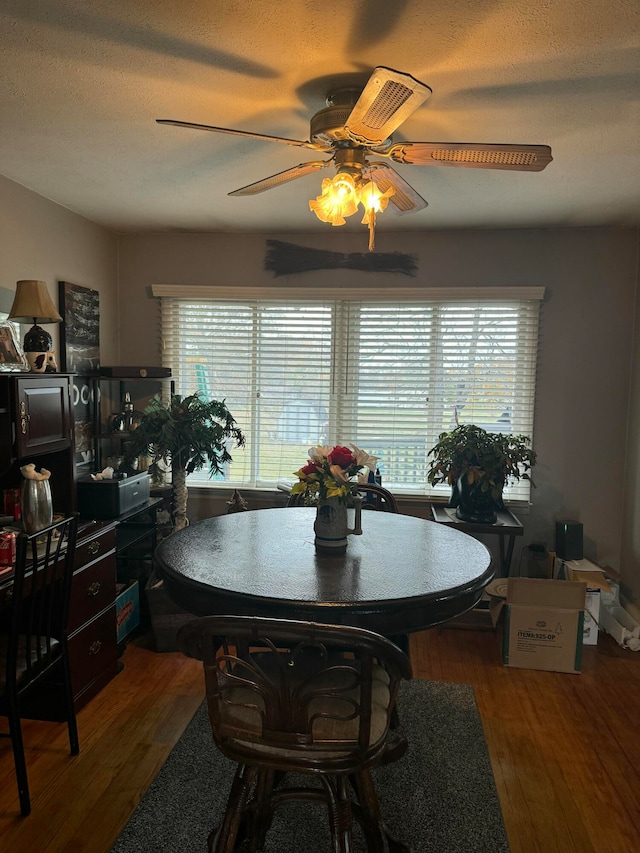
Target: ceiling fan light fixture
pixel 374 201
pixel 338 199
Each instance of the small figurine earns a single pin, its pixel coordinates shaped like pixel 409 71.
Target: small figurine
pixel 105 474
pixel 237 503
pixel 52 364
pixel 29 472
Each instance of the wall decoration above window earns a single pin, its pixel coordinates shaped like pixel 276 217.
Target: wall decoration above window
pixel 287 258
pixel 80 332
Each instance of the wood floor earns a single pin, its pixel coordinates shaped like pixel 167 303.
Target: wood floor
pixel 565 749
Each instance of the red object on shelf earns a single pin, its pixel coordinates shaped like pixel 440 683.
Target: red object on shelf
pixel 7 549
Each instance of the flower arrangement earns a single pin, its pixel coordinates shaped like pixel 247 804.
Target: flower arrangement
pixel 328 472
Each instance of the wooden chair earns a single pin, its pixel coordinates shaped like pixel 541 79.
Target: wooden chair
pixel 36 643
pixel 297 697
pixel 377 497
pixel 380 498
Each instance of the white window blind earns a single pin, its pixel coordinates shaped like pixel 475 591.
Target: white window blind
pixel 388 375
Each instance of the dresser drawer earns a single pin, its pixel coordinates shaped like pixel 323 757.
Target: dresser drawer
pixel 93 650
pixel 88 550
pixel 93 588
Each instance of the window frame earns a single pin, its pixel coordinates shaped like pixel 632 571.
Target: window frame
pixel 474 295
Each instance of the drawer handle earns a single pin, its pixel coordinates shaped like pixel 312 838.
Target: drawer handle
pixel 94 588
pixel 24 418
pixel 95 647
pixel 93 548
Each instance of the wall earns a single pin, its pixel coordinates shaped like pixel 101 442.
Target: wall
pixel 586 349
pixel 630 557
pixel 42 240
pixel 585 414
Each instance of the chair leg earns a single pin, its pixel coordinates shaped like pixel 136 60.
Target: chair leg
pixel 15 731
pixel 72 724
pixel 379 839
pixel 262 810
pixel 223 840
pixel 340 815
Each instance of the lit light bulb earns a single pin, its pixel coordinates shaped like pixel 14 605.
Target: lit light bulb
pixel 339 199
pixel 374 201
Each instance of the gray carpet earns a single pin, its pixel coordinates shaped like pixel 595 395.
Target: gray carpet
pixel 440 796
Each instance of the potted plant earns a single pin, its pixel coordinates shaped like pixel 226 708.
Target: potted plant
pixel 185 434
pixel 477 465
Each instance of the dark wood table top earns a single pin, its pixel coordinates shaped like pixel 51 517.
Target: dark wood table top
pixel 403 574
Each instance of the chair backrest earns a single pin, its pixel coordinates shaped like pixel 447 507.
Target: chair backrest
pixel 297 695
pixel 40 599
pixel 379 498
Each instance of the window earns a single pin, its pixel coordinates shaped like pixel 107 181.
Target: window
pixel 387 374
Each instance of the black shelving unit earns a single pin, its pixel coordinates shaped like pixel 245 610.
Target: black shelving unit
pixel 109 435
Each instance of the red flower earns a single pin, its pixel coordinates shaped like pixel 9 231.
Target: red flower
pixel 341 456
pixel 308 469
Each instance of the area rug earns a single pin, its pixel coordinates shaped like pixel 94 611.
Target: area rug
pixel 439 797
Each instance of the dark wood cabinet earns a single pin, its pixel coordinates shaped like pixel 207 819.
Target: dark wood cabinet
pixel 111 424
pixel 43 409
pixel 36 426
pixel 92 618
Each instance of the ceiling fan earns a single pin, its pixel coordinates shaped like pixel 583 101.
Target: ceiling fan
pixel 356 128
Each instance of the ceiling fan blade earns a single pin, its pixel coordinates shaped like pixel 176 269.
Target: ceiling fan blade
pixel 471 155
pixel 405 198
pixel 298 143
pixel 388 99
pixel 282 177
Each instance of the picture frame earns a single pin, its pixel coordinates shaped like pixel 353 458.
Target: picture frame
pixel 12 357
pixel 80 328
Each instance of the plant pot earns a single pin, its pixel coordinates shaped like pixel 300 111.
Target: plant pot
pixel 476 505
pixel 454 498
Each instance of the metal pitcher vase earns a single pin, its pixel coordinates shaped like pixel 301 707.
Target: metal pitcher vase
pixel 36 505
pixel 331 526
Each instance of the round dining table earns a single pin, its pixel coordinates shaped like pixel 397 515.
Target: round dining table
pixel 403 574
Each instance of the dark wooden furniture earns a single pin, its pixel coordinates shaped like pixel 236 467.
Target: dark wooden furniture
pixel 506 528
pixel 377 497
pixel 92 618
pixel 91 625
pixel 36 425
pixel 36 645
pixel 291 697
pixel 110 425
pixel 402 575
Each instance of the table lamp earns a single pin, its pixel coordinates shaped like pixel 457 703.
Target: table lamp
pixel 33 303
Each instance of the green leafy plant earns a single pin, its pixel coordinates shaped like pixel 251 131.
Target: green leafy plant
pixel 489 460
pixel 186 435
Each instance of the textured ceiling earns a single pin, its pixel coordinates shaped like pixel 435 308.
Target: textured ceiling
pixel 82 81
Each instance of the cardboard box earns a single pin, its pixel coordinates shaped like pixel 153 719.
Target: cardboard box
pixel 103 499
pixel 127 609
pixel 594 577
pixel 543 624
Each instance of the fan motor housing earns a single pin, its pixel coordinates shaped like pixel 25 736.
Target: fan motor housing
pixel 327 125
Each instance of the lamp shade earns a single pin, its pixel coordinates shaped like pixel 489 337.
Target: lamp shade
pixel 32 304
